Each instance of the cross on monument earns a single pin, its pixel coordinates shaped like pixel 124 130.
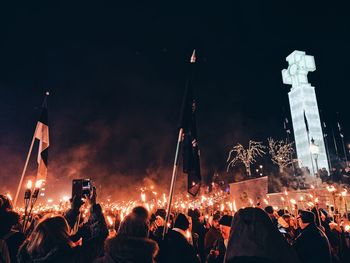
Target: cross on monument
pixel 299 66
pixel 304 110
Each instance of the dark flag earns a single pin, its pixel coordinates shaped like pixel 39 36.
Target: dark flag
pixel 324 130
pixel 306 123
pixel 339 128
pixel 42 134
pixel 190 149
pixel 286 125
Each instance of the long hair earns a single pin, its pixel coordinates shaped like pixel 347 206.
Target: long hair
pixel 50 232
pixel 254 235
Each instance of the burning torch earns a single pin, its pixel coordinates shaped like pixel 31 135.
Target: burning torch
pixel 27 195
pixel 31 200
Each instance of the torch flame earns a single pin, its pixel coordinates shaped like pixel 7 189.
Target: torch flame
pixel 29 184
pixel 234 206
pixel 38 183
pixel 9 196
pixel 143 197
pixel 110 220
pixel 230 206
pixel 331 188
pixel 65 198
pixel 222 207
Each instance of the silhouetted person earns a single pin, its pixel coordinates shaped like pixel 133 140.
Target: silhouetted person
pixel 254 239
pixel 176 247
pixel 312 244
pixel 11 238
pixel 50 241
pixel 131 244
pixel 269 210
pixel 199 229
pixel 218 251
pixel 213 234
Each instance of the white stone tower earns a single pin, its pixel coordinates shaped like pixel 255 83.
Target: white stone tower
pixel 308 133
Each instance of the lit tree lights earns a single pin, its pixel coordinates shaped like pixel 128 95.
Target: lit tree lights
pixel 281 153
pixel 247 156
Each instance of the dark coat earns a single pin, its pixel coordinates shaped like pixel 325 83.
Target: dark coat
pixel 13 241
pixel 121 249
pixel 176 249
pixel 253 237
pixel 199 229
pixel 210 237
pixel 312 246
pixel 218 246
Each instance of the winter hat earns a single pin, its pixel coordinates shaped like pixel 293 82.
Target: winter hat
pixel 140 212
pixel 307 216
pixel 195 214
pixel 181 222
pixel 324 212
pixel 161 212
pixel 226 220
pixel 280 212
pixel 216 216
pixel 269 209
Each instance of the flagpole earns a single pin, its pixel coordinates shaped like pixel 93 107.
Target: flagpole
pixel 335 144
pixel 173 180
pixel 291 154
pixel 346 158
pixel 25 168
pixel 325 136
pixel 312 162
pixel 308 139
pixel 342 140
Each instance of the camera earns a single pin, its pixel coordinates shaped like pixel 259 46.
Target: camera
pixel 81 188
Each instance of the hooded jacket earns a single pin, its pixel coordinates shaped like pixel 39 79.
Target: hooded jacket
pixel 254 238
pixel 312 245
pixel 122 249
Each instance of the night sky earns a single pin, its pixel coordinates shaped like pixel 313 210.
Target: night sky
pixel 117 75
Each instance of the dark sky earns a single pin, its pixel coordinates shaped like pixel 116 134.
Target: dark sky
pixel 116 74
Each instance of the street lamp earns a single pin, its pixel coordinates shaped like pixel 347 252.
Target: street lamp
pixel 314 149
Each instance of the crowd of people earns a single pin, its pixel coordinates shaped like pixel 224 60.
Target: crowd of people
pixel 252 234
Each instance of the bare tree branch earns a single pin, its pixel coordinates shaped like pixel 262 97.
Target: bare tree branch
pixel 281 152
pixel 246 156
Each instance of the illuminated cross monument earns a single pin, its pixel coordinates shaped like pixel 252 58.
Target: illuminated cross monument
pixel 304 110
